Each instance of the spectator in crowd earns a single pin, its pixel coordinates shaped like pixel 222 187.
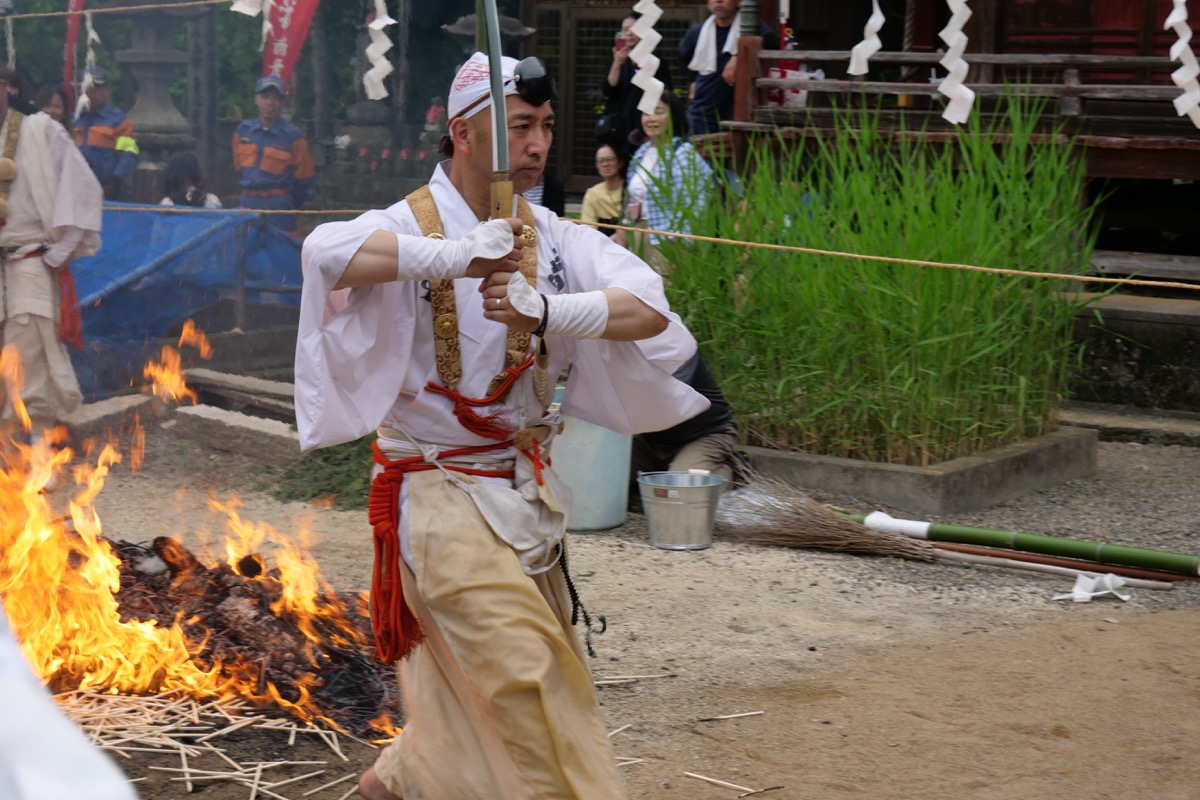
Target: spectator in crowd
pixel 708 52
pixel 18 93
pixel 605 202
pixel 667 180
pixel 52 100
pixel 549 193
pixel 185 185
pixel 52 213
pixel 621 96
pixel 707 441
pixel 272 159
pixel 103 134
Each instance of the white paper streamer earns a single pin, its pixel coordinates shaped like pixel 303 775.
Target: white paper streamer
pixel 381 67
pixel 870 45
pixel 1087 586
pixel 82 104
pixel 643 55
pixel 252 8
pixel 1185 77
pixel 961 98
pixel 8 40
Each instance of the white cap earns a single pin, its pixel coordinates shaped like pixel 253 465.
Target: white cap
pixel 471 91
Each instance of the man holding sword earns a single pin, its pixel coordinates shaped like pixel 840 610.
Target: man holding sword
pixel 455 330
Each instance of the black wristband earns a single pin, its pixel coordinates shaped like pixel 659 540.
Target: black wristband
pixel 541 328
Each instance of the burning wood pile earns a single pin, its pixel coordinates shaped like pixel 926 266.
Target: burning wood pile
pixel 314 662
pixel 94 614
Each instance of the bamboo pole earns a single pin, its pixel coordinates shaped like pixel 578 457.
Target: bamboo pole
pixel 1081 549
pixel 1034 566
pixel 1091 567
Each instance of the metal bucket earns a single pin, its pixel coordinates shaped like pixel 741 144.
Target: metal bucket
pixel 681 508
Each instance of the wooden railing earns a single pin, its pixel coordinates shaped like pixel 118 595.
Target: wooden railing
pixel 1127 130
pixel 1069 92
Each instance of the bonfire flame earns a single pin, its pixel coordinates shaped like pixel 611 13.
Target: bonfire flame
pixel 61 584
pixel 166 376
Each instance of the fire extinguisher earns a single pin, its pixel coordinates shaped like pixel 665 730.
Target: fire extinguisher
pixel 787 41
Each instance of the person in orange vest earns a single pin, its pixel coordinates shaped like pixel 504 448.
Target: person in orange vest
pixel 104 135
pixel 272 158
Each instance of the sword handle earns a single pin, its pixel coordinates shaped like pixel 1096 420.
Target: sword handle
pixel 502 196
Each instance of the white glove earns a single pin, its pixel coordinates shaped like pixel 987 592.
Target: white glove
pixel 422 258
pixel 581 316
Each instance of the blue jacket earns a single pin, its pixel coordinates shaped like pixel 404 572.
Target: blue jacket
pixel 105 137
pixel 272 162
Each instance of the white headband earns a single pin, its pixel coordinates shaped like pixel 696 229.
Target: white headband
pixel 471 91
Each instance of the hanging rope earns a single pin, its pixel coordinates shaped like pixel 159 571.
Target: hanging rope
pixel 123 9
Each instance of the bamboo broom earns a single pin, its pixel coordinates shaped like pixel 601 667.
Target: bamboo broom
pixel 773 512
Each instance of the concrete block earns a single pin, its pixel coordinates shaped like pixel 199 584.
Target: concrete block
pixel 957 486
pixel 267 440
pixel 240 383
pixel 113 414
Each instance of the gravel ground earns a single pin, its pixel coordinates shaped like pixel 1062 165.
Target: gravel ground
pixel 876 676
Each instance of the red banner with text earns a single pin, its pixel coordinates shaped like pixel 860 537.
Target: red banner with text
pixel 290 21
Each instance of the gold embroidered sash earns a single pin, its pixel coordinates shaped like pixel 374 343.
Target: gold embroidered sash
pixel 447 350
pixel 8 171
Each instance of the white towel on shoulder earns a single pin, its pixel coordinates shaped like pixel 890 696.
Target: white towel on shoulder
pixel 704 60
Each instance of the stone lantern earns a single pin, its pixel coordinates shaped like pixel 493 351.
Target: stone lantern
pixel 151 60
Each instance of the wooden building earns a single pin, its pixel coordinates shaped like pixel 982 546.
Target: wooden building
pixel 1102 66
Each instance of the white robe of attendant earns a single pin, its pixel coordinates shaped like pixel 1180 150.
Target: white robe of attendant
pixel 54 201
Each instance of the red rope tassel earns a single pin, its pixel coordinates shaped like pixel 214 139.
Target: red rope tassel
pixel 396 628
pixel 492 426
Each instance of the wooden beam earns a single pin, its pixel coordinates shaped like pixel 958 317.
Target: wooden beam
pixel 1158 63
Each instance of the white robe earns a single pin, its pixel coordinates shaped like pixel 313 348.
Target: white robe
pixel 54 200
pixel 368 364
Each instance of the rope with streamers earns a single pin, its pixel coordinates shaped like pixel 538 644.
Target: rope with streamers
pixel 870 45
pixel 252 8
pixel 89 60
pixel 748 245
pixel 643 55
pixel 952 86
pixel 381 67
pixel 1187 103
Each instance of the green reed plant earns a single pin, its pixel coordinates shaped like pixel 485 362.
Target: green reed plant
pixel 884 362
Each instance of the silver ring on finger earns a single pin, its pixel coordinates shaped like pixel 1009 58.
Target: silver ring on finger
pixel 499 303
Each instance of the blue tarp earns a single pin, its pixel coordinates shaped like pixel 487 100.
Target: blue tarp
pixel 157 269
